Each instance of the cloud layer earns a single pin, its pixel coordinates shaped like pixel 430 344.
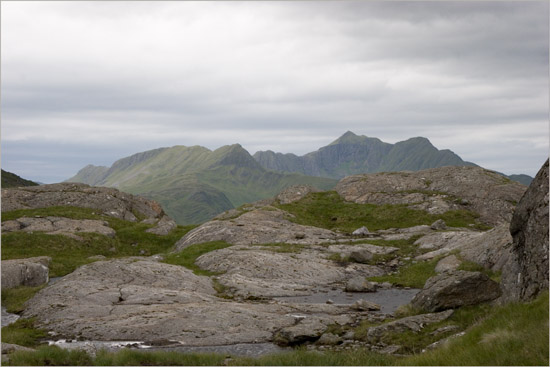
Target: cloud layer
pixel 91 82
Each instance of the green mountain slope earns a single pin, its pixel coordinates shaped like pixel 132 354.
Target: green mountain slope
pixel 193 184
pixel 353 154
pixel 12 180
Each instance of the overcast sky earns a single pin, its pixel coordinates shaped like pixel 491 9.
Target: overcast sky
pixel 92 82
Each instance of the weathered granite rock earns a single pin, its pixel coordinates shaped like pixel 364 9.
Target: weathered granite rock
pixel 447 263
pixel 257 271
pixel 256 227
pixel 360 284
pixel 143 300
pixel 363 231
pixel 438 190
pixel 455 289
pixel 526 274
pixel 295 193
pixel 329 339
pixel 413 323
pixel 164 226
pixel 438 225
pixel 30 272
pixel 489 249
pixel 364 305
pixel 58 225
pixel 361 256
pixel 108 201
pixel 307 329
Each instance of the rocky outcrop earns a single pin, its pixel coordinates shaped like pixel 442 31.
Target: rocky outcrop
pixel 58 225
pixel 143 300
pixel 526 275
pixel 294 193
pixel 107 201
pixel 30 272
pixel 164 226
pixel 260 271
pixel 438 190
pixel 412 323
pixel 454 289
pixel 256 227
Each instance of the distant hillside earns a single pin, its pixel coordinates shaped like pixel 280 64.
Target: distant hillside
pixel 193 184
pixel 523 179
pixel 12 180
pixel 352 154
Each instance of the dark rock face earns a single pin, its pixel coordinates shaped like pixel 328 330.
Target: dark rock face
pixel 455 289
pixel 107 200
pixel 527 273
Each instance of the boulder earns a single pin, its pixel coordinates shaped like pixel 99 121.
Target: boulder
pixel 438 225
pixel 447 263
pixel 164 226
pixel 413 323
pixel 454 289
pixel 361 256
pixel 526 274
pixel 360 284
pixel 306 330
pixel 363 231
pixel 30 272
pixel 364 305
pixel 329 339
pixel 295 193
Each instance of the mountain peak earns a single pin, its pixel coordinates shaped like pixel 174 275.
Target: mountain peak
pixel 348 138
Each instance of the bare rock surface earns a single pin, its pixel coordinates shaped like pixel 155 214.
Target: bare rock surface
pixel 143 300
pixel 164 226
pixel 58 225
pixel 108 201
pixel 295 193
pixel 454 289
pixel 526 274
pixel 30 272
pixel 447 263
pixel 413 323
pixel 256 227
pixel 255 271
pixel 438 190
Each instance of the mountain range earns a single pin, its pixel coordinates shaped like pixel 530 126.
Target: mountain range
pixel 12 180
pixel 193 184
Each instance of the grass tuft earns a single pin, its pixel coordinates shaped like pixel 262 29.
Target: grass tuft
pixel 14 299
pixel 189 255
pixel 413 275
pixel 23 332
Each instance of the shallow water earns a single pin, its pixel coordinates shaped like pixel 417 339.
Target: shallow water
pixel 8 318
pixel 388 299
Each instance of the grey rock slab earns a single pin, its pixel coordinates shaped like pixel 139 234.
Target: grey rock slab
pixel 364 305
pixel 58 225
pixel 329 339
pixel 361 256
pixel 438 225
pixel 255 271
pixel 447 263
pixel 295 193
pixel 413 323
pixel 346 250
pixel 454 289
pixel 363 231
pixel 143 300
pixel 360 284
pixel 30 272
pixel 256 227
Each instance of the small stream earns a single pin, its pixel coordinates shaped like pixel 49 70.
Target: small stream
pixel 388 299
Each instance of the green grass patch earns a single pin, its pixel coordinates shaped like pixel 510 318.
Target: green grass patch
pixel 138 358
pixel 51 356
pixel 23 332
pixel 413 275
pixel 302 357
pixel 188 255
pixel 513 334
pixel 68 253
pixel 472 266
pixel 14 299
pixel 328 210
